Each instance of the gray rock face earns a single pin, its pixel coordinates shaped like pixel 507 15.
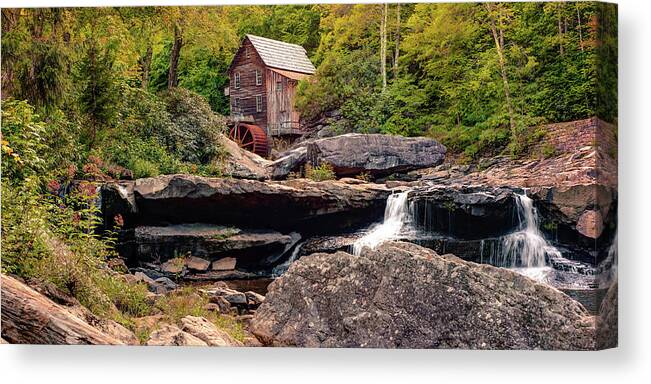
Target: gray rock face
pixel 405 296
pixel 354 153
pixel 242 164
pixel 208 242
pixel 175 199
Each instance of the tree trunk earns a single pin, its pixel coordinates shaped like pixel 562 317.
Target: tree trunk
pixel 560 30
pixel 383 47
pixel 172 75
pixel 579 27
pixel 145 64
pixel 498 36
pixel 9 20
pixel 28 317
pixel 396 53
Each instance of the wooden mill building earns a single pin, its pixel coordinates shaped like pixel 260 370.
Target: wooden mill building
pixel 263 78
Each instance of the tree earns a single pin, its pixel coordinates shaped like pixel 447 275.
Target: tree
pixel 383 46
pixel 99 94
pixel 497 16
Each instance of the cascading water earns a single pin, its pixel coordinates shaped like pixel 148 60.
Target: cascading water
pixel 282 268
pixel 526 250
pixel 396 214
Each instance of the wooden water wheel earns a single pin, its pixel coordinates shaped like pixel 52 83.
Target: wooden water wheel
pixel 250 137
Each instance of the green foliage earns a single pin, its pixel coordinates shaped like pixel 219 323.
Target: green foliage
pixel 195 137
pixel 188 301
pixel 449 82
pixel 319 173
pixel 23 141
pixel 98 94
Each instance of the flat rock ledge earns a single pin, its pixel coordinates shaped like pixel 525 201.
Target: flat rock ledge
pixel 405 296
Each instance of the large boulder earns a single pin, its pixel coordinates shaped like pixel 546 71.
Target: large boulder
pixel 29 317
pixel 305 204
pixel 405 296
pixel 242 164
pixel 354 153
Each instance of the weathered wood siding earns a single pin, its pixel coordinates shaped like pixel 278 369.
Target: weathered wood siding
pixel 281 93
pixel 248 90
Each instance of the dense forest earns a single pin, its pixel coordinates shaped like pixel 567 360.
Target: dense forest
pixel 97 93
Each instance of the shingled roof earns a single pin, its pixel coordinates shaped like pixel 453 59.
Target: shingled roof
pixel 281 55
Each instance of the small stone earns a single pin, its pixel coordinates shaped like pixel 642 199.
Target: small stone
pixel 166 282
pixel 254 299
pixel 224 264
pixel 139 276
pixel 208 332
pixel 173 266
pixel 197 264
pixel 172 335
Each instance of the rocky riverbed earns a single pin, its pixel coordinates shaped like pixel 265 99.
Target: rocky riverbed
pixel 514 254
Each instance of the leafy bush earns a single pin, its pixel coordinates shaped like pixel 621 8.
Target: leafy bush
pixel 320 173
pixel 196 134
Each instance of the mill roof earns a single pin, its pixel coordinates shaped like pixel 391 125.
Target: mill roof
pixel 281 55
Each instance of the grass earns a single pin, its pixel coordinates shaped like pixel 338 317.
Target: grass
pixel 189 301
pixel 319 173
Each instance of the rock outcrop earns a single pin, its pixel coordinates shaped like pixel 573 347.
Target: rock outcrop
pixel 29 317
pixel 405 296
pixel 210 243
pixel 242 164
pixel 354 153
pixel 177 199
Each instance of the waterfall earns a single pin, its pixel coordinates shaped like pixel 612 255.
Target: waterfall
pixel 396 214
pixel 282 268
pixel 526 250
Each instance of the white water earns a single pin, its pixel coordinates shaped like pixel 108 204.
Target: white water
pixel 526 251
pixel 282 268
pixel 527 248
pixel 396 214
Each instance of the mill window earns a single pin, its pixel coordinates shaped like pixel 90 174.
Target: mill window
pixel 237 80
pixel 258 103
pixel 258 77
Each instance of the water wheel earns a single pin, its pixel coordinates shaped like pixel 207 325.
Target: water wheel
pixel 250 137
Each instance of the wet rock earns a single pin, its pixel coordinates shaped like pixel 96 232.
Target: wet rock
pixel 197 264
pixel 405 296
pixel 169 335
pixel 224 264
pixel 206 242
pixel 464 212
pixel 208 332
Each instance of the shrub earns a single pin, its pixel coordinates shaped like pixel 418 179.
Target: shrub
pixel 195 137
pixel 320 173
